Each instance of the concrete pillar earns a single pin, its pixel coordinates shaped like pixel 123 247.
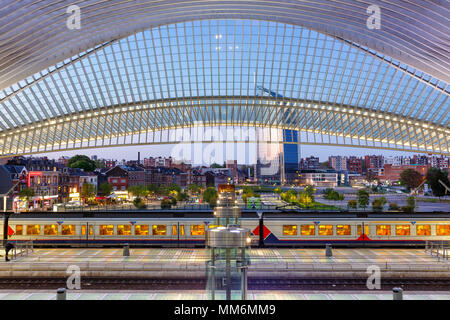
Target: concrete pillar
pixel 61 294
pixel 397 294
pixel 328 252
pixel 126 250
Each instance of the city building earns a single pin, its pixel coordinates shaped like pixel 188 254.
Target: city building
pixel 338 163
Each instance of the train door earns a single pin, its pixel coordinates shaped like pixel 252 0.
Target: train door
pixel 178 234
pixel 87 234
pixel 363 232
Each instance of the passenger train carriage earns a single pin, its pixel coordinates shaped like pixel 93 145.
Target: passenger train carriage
pixel 188 232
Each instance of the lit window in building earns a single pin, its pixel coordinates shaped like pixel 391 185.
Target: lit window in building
pixel 307 230
pixel 402 230
pixel 443 230
pixel 325 230
pixel 141 229
pixel 159 230
pixel 19 230
pixel 106 230
pixel 423 230
pixel 124 230
pixel 33 229
pixel 68 230
pixel 343 230
pixel 198 230
pixel 289 230
pixel 51 229
pixel 383 230
pixel 366 230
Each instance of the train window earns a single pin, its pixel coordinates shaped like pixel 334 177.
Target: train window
pixel 33 229
pixel 124 230
pixel 181 230
pixel 210 226
pixel 198 229
pixel 68 230
pixel 83 230
pixel 366 230
pixel 51 229
pixel 307 230
pixel 325 230
pixel 19 230
pixel 159 230
pixel 443 230
pixel 289 230
pixel 383 230
pixel 423 230
pixel 106 230
pixel 174 230
pixel 402 230
pixel 141 229
pixel 344 230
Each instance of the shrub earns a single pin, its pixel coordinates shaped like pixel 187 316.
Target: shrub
pixel 352 204
pixel 138 203
pixel 393 206
pixel 407 209
pixel 166 204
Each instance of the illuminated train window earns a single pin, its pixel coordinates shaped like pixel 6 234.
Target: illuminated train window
pixel 19 230
pixel 344 230
pixel 124 230
pixel 159 230
pixel 68 230
pixel 325 230
pixel 366 230
pixel 51 229
pixel 423 230
pixel 198 229
pixel 141 230
pixel 383 230
pixel 402 230
pixel 289 230
pixel 33 229
pixel 106 230
pixel 307 230
pixel 443 230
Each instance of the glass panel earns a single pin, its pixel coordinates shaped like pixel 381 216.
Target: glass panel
pixel 124 230
pixel 19 230
pixel 106 230
pixel 343 230
pixel 51 229
pixel 68 230
pixel 308 230
pixel 366 230
pixel 159 230
pixel 198 230
pixel 383 230
pixel 402 230
pixel 174 230
pixel 443 230
pixel 289 230
pixel 325 230
pixel 181 230
pixel 141 230
pixel 83 230
pixel 423 230
pixel 33 229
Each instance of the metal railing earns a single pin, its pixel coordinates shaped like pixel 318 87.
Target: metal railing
pixel 438 249
pixel 21 249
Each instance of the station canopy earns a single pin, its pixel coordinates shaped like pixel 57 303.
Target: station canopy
pixel 229 71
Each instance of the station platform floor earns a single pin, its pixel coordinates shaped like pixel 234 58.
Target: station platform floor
pixel 201 295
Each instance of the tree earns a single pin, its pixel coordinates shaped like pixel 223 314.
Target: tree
pixel 174 187
pixel 310 190
pixel 26 194
pixel 194 189
pixel 371 176
pixel 411 178
pixel 277 190
pixel 81 162
pixel 378 204
pixel 105 189
pixel 305 199
pixel 182 196
pixel 433 177
pixel 87 191
pixel 138 191
pixel 325 165
pixel 215 166
pixel 210 195
pixel 101 164
pixel 352 204
pixel 363 198
pixel 138 203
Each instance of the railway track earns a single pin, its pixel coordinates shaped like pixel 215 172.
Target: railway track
pixel 200 284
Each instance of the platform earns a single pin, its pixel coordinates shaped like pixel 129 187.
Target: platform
pixel 201 295
pixel 190 263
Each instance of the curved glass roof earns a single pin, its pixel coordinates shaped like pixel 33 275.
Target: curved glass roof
pixel 229 72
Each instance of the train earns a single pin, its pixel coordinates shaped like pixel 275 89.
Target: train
pixel 273 230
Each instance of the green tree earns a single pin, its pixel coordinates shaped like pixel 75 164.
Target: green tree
pixel 152 189
pixel 138 191
pixel 310 190
pixel 277 190
pixel 433 177
pixel 101 164
pixel 363 198
pixel 411 178
pixel 305 199
pixel 378 204
pixel 81 162
pixel 105 189
pixel 194 189
pixel 87 191
pixel 182 196
pixel 211 195
pixel 216 166
pixel 352 204
pixel 139 203
pixel 26 194
pixel 174 187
